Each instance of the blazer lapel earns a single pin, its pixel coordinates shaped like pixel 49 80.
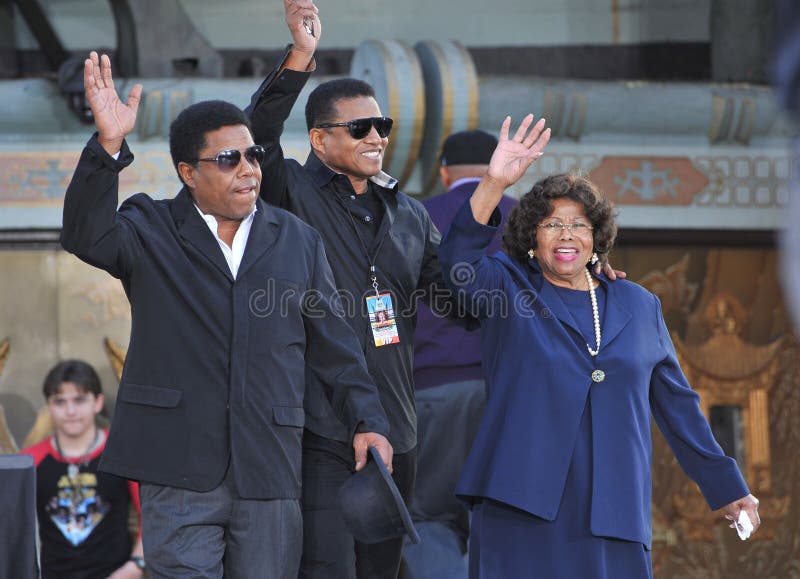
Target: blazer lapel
pixel 616 315
pixel 615 318
pixel 263 235
pixel 557 308
pixel 193 229
pixel 547 294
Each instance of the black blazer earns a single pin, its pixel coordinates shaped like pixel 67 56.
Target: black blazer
pixel 216 367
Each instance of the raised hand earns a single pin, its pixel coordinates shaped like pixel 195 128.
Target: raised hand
pixel 513 156
pixel 113 118
pixel 302 18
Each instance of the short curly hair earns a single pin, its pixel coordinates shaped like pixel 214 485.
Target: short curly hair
pixel 188 132
pixel 519 235
pixel 321 103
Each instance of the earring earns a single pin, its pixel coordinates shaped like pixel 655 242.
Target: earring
pixel 594 258
pixel 531 253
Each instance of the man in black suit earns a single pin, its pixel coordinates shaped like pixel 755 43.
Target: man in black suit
pixel 233 304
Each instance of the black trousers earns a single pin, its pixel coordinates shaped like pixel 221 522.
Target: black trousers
pixel 329 550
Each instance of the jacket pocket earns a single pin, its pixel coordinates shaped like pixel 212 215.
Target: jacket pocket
pixel 289 416
pixel 149 395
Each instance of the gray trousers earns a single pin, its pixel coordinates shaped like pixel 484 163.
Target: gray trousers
pixel 217 533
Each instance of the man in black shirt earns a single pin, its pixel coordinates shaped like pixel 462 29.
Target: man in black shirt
pixel 382 247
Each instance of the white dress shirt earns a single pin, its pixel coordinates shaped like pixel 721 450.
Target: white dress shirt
pixel 233 254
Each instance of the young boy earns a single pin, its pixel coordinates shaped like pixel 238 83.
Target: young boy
pixel 83 513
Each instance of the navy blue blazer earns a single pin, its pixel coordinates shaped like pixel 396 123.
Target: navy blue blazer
pixel 538 379
pixel 216 368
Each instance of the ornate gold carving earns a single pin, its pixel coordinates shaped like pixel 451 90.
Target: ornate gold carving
pixel 726 361
pixel 672 287
pixel 108 293
pixel 7 443
pixel 116 355
pixel 5 349
pixel 726 370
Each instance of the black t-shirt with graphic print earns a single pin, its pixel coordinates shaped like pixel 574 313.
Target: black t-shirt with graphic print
pixel 83 515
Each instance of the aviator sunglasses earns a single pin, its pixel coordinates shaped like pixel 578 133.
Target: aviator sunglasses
pixel 360 128
pixel 229 159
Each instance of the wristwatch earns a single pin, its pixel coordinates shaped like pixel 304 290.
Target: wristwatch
pixel 139 562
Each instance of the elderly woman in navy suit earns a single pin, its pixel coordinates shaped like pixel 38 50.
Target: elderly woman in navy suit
pixel 559 474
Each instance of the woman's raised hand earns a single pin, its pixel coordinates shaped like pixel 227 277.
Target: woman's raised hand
pixel 514 155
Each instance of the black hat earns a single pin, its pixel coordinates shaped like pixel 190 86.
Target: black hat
pixel 468 148
pixel 371 505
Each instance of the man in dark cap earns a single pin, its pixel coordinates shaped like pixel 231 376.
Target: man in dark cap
pixel 450 391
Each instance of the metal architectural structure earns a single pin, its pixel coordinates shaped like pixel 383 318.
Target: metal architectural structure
pixel 717 160
pixel 672 155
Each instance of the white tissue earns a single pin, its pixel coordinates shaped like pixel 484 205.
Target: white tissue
pixel 743 526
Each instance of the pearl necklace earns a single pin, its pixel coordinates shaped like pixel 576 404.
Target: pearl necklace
pixel 595 314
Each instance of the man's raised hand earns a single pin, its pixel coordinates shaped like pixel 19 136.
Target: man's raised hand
pixel 302 18
pixel 113 118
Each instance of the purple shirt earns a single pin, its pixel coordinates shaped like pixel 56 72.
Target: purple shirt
pixel 444 352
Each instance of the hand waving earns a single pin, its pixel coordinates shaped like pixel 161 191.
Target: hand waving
pixel 513 156
pixel 302 18
pixel 113 118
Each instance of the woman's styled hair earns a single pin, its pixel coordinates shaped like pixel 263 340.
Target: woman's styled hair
pixel 520 232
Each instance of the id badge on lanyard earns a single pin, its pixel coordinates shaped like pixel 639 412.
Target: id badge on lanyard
pixel 381 315
pixel 382 320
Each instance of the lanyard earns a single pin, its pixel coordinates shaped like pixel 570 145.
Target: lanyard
pixel 370 259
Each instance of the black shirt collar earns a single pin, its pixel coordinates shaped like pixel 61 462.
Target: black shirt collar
pixel 322 175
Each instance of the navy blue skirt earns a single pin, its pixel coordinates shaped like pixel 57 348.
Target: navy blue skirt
pixel 506 543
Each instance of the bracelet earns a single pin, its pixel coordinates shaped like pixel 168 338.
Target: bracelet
pixel 139 562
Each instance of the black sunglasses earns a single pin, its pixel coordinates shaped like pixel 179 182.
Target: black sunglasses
pixel 229 159
pixel 360 128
